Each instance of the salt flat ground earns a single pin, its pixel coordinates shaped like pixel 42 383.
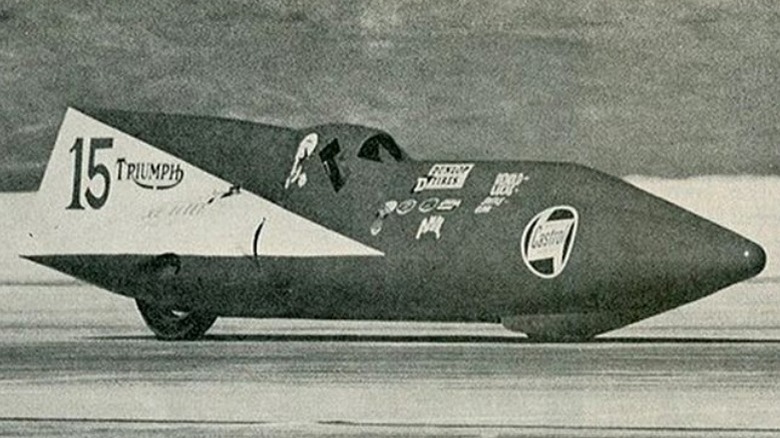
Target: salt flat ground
pixel 81 362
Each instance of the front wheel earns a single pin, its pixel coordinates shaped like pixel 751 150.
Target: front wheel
pixel 170 324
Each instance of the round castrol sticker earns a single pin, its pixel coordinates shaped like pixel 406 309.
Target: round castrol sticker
pixel 548 239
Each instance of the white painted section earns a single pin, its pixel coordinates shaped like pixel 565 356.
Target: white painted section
pixel 188 219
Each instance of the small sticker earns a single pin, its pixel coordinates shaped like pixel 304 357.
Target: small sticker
pixel 444 177
pixel 405 207
pixel 381 214
pixel 507 184
pixel 428 205
pixel 376 227
pixel 431 224
pixel 488 203
pixel 388 208
pixel 548 240
pixel 448 204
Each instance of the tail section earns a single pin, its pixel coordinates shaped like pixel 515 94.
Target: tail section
pixel 98 169
pixel 107 192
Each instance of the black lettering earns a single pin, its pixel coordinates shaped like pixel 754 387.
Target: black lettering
pixel 328 157
pixel 119 165
pixel 75 200
pixel 178 173
pixel 94 170
pixel 155 170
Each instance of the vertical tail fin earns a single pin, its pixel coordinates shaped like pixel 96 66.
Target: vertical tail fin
pixel 102 187
pixel 107 192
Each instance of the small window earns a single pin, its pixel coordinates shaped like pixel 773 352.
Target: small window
pixel 370 150
pixel 328 155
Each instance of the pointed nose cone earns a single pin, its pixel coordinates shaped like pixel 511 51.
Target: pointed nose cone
pixel 718 258
pixel 671 257
pixel 752 259
pixel 724 256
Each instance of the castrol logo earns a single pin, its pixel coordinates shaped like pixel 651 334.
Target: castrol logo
pixel 548 239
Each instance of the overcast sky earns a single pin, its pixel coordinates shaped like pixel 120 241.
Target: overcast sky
pixel 662 88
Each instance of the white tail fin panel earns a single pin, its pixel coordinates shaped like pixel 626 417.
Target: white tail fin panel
pixel 106 192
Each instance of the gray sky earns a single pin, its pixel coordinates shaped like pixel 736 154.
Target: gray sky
pixel 662 88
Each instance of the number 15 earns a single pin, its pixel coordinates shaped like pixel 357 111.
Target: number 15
pixel 93 170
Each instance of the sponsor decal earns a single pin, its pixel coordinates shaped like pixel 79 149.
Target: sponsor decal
pixel 507 184
pixel 150 175
pixel 488 203
pixel 448 204
pixel 428 205
pixel 405 207
pixel 431 224
pixel 444 177
pixel 548 240
pixel 386 209
pixel 381 214
pixel 376 227
pixel 305 150
pixel 504 186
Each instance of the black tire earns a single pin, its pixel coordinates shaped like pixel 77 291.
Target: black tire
pixel 169 324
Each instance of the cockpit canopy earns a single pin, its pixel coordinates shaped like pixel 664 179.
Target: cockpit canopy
pixel 371 148
pixel 338 145
pixel 358 141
